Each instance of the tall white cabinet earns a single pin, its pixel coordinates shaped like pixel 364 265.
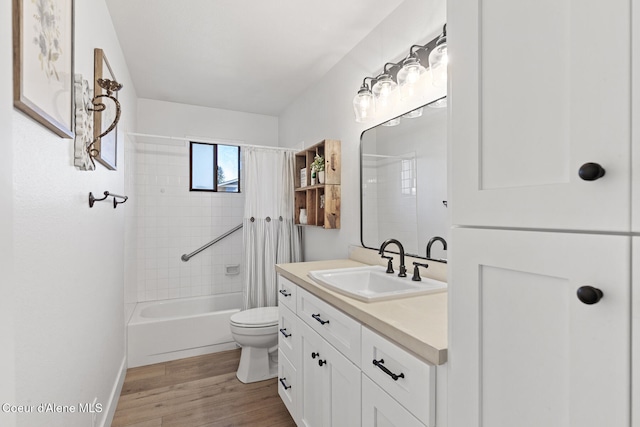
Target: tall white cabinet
pixel 543 299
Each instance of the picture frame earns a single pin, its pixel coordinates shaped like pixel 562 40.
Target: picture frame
pixel 106 146
pixel 43 52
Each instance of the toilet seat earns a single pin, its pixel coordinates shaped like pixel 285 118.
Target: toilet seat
pixel 256 317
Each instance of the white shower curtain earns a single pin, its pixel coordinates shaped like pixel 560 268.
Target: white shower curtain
pixel 269 234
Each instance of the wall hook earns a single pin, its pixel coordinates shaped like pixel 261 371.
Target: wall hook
pixel 92 199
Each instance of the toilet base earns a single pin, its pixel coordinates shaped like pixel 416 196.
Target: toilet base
pixel 257 364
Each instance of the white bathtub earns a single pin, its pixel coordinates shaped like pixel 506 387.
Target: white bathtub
pixel 159 331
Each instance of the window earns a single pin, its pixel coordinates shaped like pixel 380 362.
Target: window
pixel 214 167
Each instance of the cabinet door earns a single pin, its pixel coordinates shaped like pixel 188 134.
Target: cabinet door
pixel 330 384
pixel 635 125
pixel 524 350
pixel 635 327
pixel 312 404
pixel 539 89
pixel 344 404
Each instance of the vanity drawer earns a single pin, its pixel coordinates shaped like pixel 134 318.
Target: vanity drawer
pixel 288 334
pixel 337 328
pixel 288 384
pixel 287 293
pixel 405 377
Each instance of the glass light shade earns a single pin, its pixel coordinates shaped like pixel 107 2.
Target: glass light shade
pixel 364 105
pixel 413 114
pixel 392 122
pixel 384 91
pixel 409 75
pixel 438 60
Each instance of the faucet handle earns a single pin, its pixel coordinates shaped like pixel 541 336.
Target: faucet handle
pixel 416 271
pixel 389 263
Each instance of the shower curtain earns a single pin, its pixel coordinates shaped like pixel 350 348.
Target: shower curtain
pixel 269 234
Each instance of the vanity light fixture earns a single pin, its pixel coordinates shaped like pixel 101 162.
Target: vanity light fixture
pixel 382 91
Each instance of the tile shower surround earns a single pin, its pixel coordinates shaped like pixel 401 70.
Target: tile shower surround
pixel 172 221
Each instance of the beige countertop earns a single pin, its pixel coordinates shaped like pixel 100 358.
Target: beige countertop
pixel 419 323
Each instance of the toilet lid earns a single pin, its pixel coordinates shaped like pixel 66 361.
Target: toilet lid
pixel 256 317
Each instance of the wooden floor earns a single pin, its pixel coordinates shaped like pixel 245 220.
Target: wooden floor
pixel 197 392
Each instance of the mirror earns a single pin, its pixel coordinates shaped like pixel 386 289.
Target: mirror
pixel 403 182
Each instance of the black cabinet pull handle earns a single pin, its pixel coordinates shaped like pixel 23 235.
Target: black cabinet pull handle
pixel 285 293
pixel 317 317
pixel 283 331
pixel 322 362
pixel 314 355
pixel 589 295
pixel 282 381
pixel 591 171
pixel 379 364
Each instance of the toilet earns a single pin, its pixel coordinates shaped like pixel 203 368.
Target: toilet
pixel 256 331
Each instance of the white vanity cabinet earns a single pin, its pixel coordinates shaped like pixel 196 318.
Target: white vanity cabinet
pixel 328 376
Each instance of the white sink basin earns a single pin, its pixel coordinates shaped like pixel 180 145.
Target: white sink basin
pixel 372 283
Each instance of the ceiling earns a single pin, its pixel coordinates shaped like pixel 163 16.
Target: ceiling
pixel 245 55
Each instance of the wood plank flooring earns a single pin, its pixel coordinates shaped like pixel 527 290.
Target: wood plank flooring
pixel 200 391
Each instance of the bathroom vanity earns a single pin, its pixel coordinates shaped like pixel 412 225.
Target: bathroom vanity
pixel 344 362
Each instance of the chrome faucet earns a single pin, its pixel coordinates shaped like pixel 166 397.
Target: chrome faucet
pixel 431 242
pixel 403 269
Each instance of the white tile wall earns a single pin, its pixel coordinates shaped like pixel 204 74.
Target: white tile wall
pixel 173 221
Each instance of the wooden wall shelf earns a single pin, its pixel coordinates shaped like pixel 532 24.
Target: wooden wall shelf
pixel 321 200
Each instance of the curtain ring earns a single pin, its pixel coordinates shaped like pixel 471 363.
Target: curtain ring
pixel 268 219
pixel 253 219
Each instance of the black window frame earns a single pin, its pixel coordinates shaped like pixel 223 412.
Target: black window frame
pixel 215 167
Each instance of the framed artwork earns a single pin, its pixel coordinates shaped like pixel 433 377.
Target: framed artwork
pixel 106 146
pixel 43 62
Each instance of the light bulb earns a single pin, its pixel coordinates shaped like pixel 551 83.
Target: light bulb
pixel 409 75
pixel 383 91
pixel 364 105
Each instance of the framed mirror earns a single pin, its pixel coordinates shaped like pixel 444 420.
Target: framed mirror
pixel 403 181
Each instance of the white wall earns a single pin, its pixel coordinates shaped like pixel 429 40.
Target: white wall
pixel 173 220
pixel 7 282
pixel 68 327
pixel 325 111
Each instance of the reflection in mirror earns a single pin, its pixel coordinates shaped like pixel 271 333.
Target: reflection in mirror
pixel 403 178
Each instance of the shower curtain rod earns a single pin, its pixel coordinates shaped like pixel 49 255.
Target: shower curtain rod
pixel 204 139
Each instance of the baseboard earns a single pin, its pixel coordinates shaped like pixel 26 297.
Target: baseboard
pixel 110 408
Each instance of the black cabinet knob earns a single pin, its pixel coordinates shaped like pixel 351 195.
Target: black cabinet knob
pixel 591 171
pixel 589 294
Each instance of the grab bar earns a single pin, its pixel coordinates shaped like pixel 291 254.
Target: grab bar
pixel 186 257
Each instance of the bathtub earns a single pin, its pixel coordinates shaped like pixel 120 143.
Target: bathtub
pixel 160 331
